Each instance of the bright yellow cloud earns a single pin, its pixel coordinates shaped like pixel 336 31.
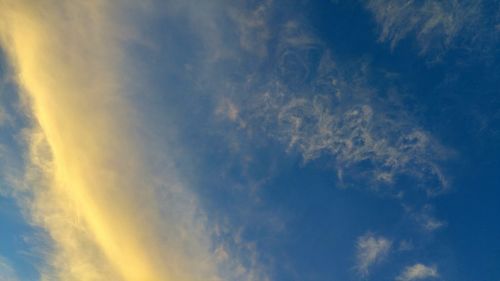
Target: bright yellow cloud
pixel 109 216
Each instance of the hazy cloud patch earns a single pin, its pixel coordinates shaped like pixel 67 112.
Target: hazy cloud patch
pixel 425 218
pixel 370 250
pixel 7 273
pixel 418 272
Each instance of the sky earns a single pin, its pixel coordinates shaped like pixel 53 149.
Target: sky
pixel 272 140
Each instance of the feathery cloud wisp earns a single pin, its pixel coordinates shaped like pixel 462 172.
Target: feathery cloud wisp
pixel 7 273
pixel 371 249
pixel 434 23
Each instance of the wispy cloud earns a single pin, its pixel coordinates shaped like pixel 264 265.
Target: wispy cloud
pixel 254 32
pixel 370 250
pixel 310 101
pixel 435 24
pixel 370 141
pixel 418 272
pixel 91 180
pixel 426 219
pixel 317 106
pixel 7 273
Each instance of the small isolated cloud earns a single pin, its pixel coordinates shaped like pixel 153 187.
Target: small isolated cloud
pixel 431 223
pixel 371 249
pixel 426 219
pixel 418 272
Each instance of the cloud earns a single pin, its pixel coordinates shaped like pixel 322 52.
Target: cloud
pixel 253 28
pixel 370 250
pixel 7 273
pixel 426 219
pixel 418 272
pixel 435 24
pixel 319 106
pixel 297 93
pixel 9 102
pixel 247 265
pixel 371 141
pixel 430 223
pixel 113 207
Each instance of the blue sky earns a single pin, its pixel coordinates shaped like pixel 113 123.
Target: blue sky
pixel 249 140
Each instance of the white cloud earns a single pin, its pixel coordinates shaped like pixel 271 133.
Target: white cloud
pixel 370 249
pixel 319 107
pixel 418 272
pixel 433 23
pixel 311 103
pixel 371 141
